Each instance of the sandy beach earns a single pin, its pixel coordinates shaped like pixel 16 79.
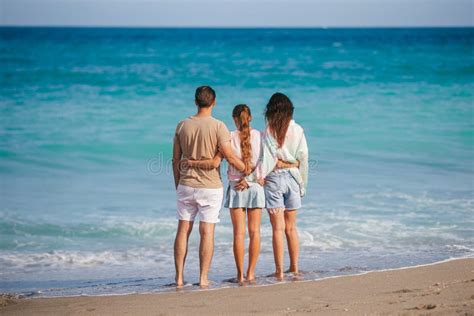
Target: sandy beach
pixel 445 288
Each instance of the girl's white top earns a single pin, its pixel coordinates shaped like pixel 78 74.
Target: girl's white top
pixel 293 149
pixel 255 140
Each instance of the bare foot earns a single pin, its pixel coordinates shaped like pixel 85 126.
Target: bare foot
pixel 203 283
pixel 250 277
pixel 278 275
pixel 251 281
pixel 179 283
pixel 240 279
pixel 294 271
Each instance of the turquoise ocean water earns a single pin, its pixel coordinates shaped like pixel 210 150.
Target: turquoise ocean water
pixel 87 203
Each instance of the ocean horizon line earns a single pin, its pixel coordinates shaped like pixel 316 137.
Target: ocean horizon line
pixel 368 27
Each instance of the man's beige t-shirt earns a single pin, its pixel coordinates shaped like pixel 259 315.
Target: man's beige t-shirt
pixel 199 139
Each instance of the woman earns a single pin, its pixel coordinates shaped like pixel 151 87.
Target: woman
pixel 246 143
pixel 284 165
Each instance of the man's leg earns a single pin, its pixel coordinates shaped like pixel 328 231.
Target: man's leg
pixel 209 202
pixel 181 249
pixel 206 251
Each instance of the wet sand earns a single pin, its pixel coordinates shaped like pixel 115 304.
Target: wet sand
pixel 445 288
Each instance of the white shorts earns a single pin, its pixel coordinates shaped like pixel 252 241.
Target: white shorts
pixel 205 202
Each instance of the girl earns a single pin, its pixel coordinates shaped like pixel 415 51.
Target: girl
pixel 246 143
pixel 284 163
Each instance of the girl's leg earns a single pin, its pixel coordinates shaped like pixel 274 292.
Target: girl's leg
pixel 238 223
pixel 254 216
pixel 277 218
pixel 292 239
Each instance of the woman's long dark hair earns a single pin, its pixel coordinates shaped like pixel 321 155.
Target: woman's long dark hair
pixel 243 115
pixel 278 114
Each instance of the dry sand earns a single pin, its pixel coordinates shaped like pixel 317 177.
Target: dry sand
pixel 445 288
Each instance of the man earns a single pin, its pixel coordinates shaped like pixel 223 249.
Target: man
pixel 199 191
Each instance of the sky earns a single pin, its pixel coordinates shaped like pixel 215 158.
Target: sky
pixel 237 13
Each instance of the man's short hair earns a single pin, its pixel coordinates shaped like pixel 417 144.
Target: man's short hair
pixel 205 96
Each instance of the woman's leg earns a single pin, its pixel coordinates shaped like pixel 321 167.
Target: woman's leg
pixel 238 223
pixel 254 216
pixel 292 239
pixel 277 218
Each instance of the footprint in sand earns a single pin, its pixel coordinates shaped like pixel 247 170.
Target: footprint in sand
pixel 425 306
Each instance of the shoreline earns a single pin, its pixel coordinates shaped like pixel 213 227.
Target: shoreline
pixel 444 287
pixel 19 295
